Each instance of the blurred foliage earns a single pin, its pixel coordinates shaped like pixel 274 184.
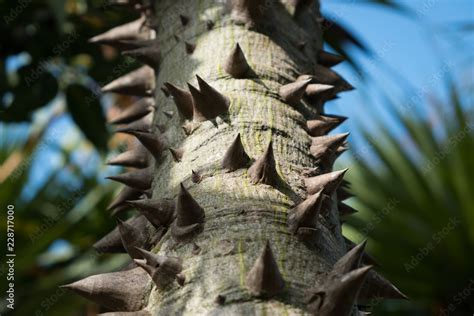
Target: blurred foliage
pixel 67 210
pixel 85 109
pixel 417 207
pixel 55 224
pixel 48 41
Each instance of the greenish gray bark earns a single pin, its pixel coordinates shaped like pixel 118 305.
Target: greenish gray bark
pixel 240 216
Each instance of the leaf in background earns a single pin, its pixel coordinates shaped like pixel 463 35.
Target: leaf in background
pixel 395 5
pixel 339 38
pixel 336 35
pixel 37 87
pixel 465 26
pixel 86 111
pixel 430 227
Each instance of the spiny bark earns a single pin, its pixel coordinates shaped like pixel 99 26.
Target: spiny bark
pixel 255 229
pixel 240 216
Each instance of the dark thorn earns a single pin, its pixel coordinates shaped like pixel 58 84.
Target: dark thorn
pixel 235 157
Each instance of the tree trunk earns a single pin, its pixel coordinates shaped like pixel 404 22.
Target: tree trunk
pixel 240 216
pixel 242 154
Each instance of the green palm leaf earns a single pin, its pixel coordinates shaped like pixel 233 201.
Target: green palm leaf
pixel 417 207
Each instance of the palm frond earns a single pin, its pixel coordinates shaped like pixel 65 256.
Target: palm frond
pixel 416 204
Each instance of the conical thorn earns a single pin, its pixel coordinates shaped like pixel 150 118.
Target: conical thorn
pixel 148 55
pixel 177 154
pixel 190 47
pixel 122 291
pixel 159 212
pixel 328 182
pixel 235 157
pixel 140 82
pixel 135 111
pixel 264 169
pixel 140 179
pixel 236 64
pixel 264 279
pixel 292 93
pixel 306 213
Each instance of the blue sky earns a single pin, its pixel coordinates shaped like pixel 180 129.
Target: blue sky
pixel 417 50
